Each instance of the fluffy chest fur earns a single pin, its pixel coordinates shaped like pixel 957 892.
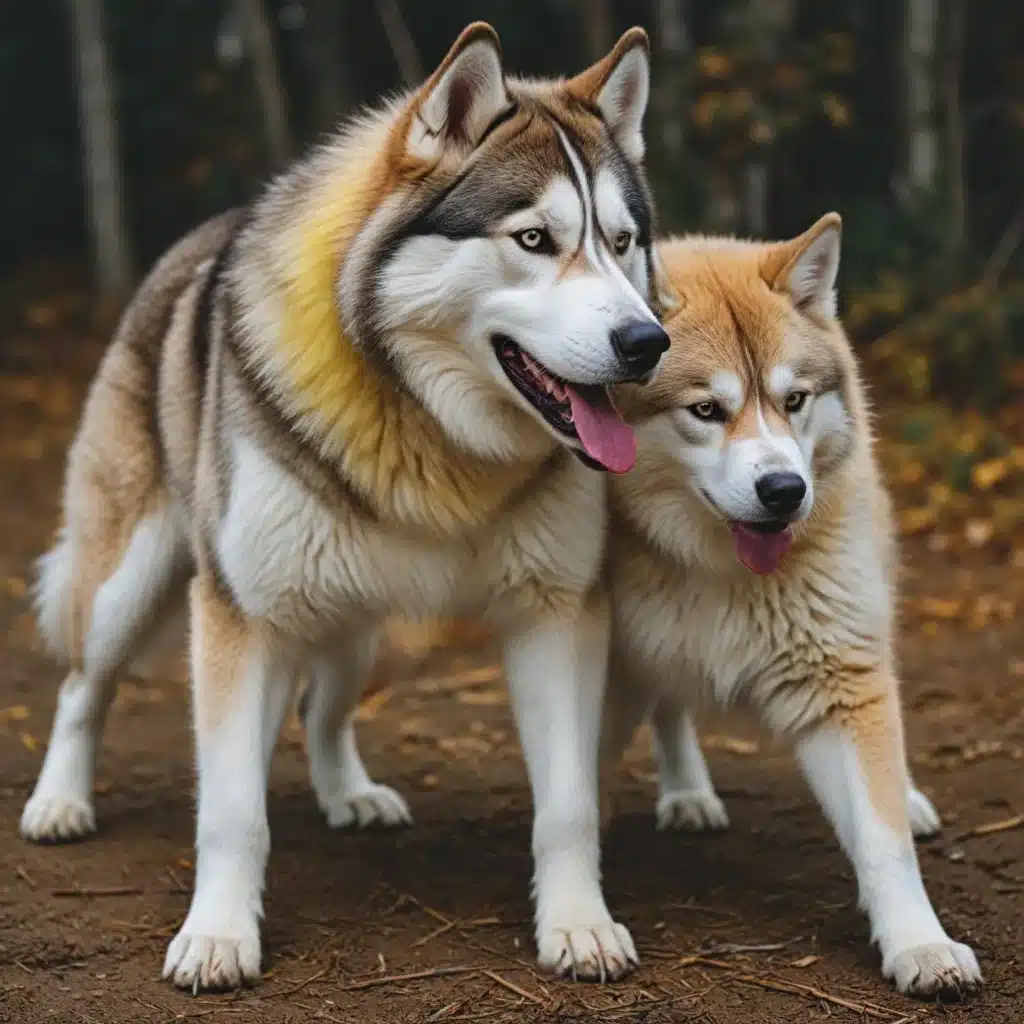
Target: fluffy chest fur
pixel 792 644
pixel 293 561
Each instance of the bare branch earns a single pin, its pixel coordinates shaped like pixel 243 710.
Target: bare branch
pixel 101 150
pixel 407 57
pixel 259 46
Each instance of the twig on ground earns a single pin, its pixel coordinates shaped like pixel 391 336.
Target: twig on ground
pixel 688 961
pixel 390 979
pixel 701 908
pixel 513 987
pixel 86 892
pixel 436 933
pixel 810 992
pixel 146 931
pixel 794 988
pixel 179 885
pixel 294 988
pixel 195 1014
pixel 447 1010
pixel 992 827
pixel 23 874
pixel 740 947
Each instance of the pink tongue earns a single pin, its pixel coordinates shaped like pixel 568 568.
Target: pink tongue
pixel 761 552
pixel 604 434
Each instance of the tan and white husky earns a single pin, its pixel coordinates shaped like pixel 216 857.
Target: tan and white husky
pixel 381 389
pixel 752 561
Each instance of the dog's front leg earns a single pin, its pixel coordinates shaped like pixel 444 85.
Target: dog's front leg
pixel 556 669
pixel 855 764
pixel 241 690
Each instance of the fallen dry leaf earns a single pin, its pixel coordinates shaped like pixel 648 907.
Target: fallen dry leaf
pixel 985 475
pixel 732 744
pixel 15 713
pixel 940 608
pixel 912 473
pixel 460 680
pixel 805 961
pixel 978 532
pixel 370 708
pixel 464 745
pixel 482 698
pixel 28 741
pixel 917 520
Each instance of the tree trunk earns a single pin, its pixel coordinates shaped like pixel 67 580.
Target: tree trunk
pixel 324 36
pixel 101 151
pixel 955 154
pixel 768 22
pixel 673 43
pixel 596 17
pixel 258 40
pixel 755 198
pixel 922 149
pixel 407 57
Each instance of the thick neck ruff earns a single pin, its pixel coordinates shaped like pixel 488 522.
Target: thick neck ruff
pixel 394 452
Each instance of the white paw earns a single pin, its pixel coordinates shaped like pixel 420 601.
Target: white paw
pixel 601 952
pixel 692 810
pixel 55 817
pixel 196 961
pixel 936 968
pixel 377 805
pixel 924 819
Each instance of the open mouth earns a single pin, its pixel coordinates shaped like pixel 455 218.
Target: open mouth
pixel 761 546
pixel 580 412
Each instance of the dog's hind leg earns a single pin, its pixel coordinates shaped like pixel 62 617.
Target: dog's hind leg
pixel 924 818
pixel 855 763
pixel 686 795
pixel 115 596
pixel 343 787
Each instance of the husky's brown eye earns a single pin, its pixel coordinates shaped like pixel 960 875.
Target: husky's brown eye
pixel 535 240
pixel 623 240
pixel 795 401
pixel 709 410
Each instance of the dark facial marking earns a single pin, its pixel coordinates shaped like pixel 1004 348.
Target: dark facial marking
pixel 635 191
pixel 478 199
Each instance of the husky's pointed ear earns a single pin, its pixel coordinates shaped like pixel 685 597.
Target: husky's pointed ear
pixel 462 97
pixel 806 267
pixel 620 86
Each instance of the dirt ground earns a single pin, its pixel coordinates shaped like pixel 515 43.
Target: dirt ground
pixel 754 925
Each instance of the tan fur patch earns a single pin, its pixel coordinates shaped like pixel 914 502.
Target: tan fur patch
pixel 877 733
pixel 222 646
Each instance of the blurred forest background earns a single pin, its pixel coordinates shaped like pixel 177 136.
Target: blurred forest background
pixel 127 122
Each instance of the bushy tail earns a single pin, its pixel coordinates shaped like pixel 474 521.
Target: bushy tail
pixel 52 597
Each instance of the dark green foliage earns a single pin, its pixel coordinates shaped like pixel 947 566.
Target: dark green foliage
pixel 816 105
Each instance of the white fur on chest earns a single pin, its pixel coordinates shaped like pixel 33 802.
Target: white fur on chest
pixel 295 562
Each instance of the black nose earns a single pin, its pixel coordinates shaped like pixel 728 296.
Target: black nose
pixel 640 344
pixel 781 493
